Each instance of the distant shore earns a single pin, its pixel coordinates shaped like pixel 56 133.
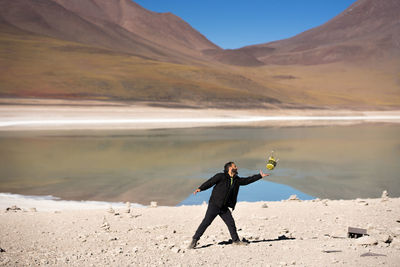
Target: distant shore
pixel 281 233
pixel 59 115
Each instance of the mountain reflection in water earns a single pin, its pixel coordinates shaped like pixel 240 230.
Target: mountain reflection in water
pixel 336 162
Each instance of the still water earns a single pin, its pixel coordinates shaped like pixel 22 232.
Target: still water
pixel 336 162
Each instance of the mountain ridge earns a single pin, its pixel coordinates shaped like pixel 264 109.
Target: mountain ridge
pixel 99 49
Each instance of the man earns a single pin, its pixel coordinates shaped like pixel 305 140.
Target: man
pixel 224 195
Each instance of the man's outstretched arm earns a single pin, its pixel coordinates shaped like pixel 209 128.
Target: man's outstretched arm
pixel 252 179
pixel 207 184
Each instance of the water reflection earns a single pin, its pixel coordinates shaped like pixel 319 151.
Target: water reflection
pixel 167 165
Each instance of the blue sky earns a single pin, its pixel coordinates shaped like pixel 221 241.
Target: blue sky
pixel 237 23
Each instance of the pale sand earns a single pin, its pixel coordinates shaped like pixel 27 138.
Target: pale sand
pixel 59 116
pixel 313 233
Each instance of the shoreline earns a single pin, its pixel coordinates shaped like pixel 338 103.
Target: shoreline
pixel 51 203
pixel 67 117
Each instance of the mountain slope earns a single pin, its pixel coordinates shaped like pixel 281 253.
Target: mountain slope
pixel 162 28
pixel 116 50
pixel 368 29
pixel 114 24
pixel 44 67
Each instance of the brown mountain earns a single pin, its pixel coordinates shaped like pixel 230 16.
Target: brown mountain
pixel 164 29
pixel 120 25
pixel 117 50
pixel 368 29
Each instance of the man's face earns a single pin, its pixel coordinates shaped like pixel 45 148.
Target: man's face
pixel 234 168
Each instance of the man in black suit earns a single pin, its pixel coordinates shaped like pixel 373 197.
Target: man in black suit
pixel 224 196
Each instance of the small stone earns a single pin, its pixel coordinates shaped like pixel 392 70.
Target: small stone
pixel 13 208
pixel 395 243
pixel 110 209
pixel 293 198
pixel 264 206
pixel 105 226
pixel 161 237
pixel 175 249
pixel 2 250
pixel 385 194
pixel 366 241
pixel 282 263
pixel 396 231
pixel 293 263
pixel 153 204
pixel 32 210
pixel 128 207
pixel 385 238
pixel 325 202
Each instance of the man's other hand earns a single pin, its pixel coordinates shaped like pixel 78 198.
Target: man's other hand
pixel 263 174
pixel 196 191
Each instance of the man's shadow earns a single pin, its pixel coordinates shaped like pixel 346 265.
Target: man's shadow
pixel 280 238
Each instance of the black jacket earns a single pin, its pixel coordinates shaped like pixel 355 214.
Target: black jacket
pixel 223 193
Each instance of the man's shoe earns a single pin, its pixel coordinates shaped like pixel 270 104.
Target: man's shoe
pixel 193 244
pixel 240 243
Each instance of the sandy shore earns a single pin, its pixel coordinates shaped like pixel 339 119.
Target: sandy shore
pixel 285 233
pixel 60 115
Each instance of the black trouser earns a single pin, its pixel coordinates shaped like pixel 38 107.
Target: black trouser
pixel 212 212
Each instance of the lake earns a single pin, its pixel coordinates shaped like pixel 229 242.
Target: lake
pixel 167 165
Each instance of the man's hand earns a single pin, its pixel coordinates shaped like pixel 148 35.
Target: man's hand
pixel 263 174
pixel 196 191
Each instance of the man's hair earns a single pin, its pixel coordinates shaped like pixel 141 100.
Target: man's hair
pixel 227 165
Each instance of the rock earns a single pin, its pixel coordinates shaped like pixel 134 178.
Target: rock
pixel 385 196
pixel 135 249
pixel 110 209
pixel 366 241
pixel 264 206
pixel 396 232
pixel 395 243
pixel 293 198
pixel 385 238
pixel 13 208
pixel 33 210
pixel 175 249
pixel 105 226
pixel 161 237
pixel 128 207
pixel 153 204
pixel 2 250
pixel 118 251
pixel 284 230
